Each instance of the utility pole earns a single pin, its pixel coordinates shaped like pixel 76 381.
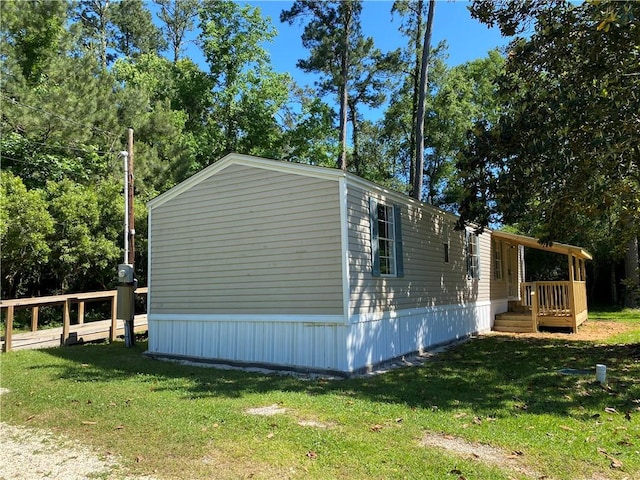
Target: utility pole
pixel 130 213
pixel 126 275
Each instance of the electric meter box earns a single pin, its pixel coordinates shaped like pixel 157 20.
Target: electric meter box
pixel 125 307
pixel 125 273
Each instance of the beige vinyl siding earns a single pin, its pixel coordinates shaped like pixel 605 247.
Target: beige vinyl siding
pixel 500 287
pixel 248 241
pixel 516 263
pixel 428 280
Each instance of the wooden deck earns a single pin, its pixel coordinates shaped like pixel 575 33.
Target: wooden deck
pixel 79 333
pixel 545 304
pixel 522 322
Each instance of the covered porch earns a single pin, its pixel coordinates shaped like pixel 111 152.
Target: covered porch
pixel 547 303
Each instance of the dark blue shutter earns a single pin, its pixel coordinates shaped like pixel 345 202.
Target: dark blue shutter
pixel 477 240
pixel 397 225
pixel 375 254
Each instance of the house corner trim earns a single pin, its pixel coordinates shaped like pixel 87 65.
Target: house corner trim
pixel 344 247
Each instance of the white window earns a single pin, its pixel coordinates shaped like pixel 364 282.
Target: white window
pixel 497 260
pixel 473 255
pixel 386 240
pixel 443 228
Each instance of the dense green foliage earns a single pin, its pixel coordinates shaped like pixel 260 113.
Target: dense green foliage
pixel 335 42
pixel 546 140
pixel 562 159
pixel 77 74
pixel 565 148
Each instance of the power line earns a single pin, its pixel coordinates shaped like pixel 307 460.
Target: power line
pixel 68 120
pixel 2 157
pixel 68 147
pixel 56 115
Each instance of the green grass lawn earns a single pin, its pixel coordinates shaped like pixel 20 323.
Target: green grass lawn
pixel 176 421
pixel 626 315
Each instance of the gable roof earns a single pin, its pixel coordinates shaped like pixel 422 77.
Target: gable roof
pixel 247 160
pixel 531 242
pixel 334 174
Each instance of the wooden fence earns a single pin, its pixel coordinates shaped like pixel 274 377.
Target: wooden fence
pixel 69 333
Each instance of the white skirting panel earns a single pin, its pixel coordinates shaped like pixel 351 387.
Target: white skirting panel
pixel 320 346
pixel 375 338
pixel 313 346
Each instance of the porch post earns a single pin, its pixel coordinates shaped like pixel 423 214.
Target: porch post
pixel 571 268
pixel 534 307
pixel 66 321
pixel 8 330
pixel 572 301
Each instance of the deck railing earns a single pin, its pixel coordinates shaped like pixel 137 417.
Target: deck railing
pixel 66 301
pixel 525 293
pixel 556 299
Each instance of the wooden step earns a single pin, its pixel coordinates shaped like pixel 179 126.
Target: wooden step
pixel 517 307
pixel 513 316
pixel 513 322
pixel 516 329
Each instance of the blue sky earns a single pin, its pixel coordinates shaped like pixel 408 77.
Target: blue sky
pixel 468 39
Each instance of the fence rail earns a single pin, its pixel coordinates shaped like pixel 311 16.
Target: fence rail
pixel 66 301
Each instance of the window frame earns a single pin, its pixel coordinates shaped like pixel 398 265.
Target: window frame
pixel 446 239
pixel 498 260
pixel 472 245
pixel 386 240
pixel 392 236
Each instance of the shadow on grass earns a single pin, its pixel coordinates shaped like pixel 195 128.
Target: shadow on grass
pixel 487 375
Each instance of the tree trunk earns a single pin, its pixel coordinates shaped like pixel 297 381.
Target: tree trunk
pixel 176 51
pixel 414 100
pixel 614 286
pixel 632 274
pixel 424 82
pixel 103 19
pixel 354 139
pixel 344 95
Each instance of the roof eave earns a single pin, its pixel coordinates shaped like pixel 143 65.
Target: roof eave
pixel 560 248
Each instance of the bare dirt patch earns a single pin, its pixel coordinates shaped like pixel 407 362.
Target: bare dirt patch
pixel 591 330
pixel 269 411
pixel 513 461
pixel 315 424
pixel 27 454
pixel 276 409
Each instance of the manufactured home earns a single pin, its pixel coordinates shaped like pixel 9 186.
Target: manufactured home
pixel 255 262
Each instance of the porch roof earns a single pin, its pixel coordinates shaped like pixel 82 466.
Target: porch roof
pixel 531 242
